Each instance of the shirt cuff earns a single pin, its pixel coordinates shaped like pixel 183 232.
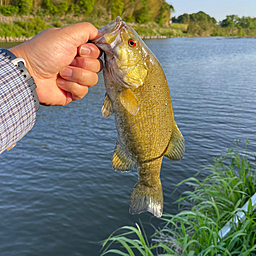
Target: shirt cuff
pixel 17 108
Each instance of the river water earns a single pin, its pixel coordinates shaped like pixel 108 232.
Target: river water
pixel 58 193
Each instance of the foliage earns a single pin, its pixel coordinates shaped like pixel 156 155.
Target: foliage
pixel 142 11
pixel 194 17
pixel 9 10
pixel 32 27
pixel 86 6
pixel 235 21
pixel 142 14
pixel 11 30
pixel 59 7
pixel 164 11
pixel 148 17
pixel 195 231
pixel 25 6
pixel 116 8
pixel 209 29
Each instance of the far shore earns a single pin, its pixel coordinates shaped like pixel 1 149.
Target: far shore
pixel 14 39
pixel 7 39
pixel 24 39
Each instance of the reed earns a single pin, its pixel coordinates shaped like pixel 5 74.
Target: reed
pixel 204 210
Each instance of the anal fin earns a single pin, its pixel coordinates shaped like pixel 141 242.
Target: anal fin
pixel 120 160
pixel 176 148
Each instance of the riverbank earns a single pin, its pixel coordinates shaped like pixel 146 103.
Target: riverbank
pixel 22 39
pixel 8 39
pixel 22 28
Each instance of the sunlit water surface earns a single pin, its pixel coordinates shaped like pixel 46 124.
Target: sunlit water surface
pixel 58 192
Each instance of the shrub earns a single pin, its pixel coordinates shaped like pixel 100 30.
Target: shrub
pixel 9 10
pixel 33 26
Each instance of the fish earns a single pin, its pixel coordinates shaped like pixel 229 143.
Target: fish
pixel 138 95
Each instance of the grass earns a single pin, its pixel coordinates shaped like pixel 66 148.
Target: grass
pixel 27 28
pixel 203 212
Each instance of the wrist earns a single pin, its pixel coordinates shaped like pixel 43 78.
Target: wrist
pixel 20 63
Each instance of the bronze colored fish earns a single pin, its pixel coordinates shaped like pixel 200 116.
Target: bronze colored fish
pixel 138 95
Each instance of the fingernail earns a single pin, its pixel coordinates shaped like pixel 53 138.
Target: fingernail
pixel 85 51
pixel 66 72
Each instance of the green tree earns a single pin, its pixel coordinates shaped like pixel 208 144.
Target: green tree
pixel 116 7
pixel 248 22
pixel 86 6
pixel 9 10
pixel 195 17
pixel 202 17
pixel 230 21
pixel 142 15
pixel 184 18
pixel 25 6
pixel 164 15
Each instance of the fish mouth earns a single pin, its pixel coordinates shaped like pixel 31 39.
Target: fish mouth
pixel 110 29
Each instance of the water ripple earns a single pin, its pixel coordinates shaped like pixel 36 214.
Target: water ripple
pixel 58 192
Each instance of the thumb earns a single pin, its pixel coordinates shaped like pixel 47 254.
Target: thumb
pixel 80 33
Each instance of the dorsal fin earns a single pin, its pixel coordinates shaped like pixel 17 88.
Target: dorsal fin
pixel 129 101
pixel 107 108
pixel 120 160
pixel 176 148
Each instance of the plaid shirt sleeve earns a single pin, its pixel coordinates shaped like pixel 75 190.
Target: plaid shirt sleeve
pixel 17 109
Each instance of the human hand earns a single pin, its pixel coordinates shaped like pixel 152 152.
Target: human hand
pixel 62 62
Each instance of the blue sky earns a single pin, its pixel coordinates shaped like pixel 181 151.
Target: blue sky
pixel 215 8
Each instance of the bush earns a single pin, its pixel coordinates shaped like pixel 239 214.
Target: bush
pixel 33 26
pixel 7 29
pixel 25 6
pixel 9 10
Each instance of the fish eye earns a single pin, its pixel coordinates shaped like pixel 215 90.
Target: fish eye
pixel 132 42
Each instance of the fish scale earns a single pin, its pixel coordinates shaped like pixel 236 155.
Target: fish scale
pixel 138 95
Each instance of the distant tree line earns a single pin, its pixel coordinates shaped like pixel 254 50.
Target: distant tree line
pixel 231 21
pixel 141 11
pixel 235 21
pixel 201 24
pixel 194 17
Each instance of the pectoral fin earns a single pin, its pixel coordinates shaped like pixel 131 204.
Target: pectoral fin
pixel 176 148
pixel 107 108
pixel 129 101
pixel 120 160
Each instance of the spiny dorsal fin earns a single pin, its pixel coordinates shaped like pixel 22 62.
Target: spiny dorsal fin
pixel 129 101
pixel 120 161
pixel 176 148
pixel 107 108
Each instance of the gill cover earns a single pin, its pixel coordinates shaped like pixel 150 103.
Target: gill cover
pixel 125 55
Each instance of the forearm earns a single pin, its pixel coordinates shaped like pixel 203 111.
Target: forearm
pixel 17 108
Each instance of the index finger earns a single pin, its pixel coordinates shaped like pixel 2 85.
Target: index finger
pixel 80 32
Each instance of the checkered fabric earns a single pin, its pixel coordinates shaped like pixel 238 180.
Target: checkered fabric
pixel 17 109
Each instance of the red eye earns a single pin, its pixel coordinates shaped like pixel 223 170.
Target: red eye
pixel 132 43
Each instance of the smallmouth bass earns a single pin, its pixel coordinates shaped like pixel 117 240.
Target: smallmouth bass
pixel 138 95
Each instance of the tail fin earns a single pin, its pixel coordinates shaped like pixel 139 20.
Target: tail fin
pixel 146 198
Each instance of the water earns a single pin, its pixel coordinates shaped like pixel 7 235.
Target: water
pixel 58 192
